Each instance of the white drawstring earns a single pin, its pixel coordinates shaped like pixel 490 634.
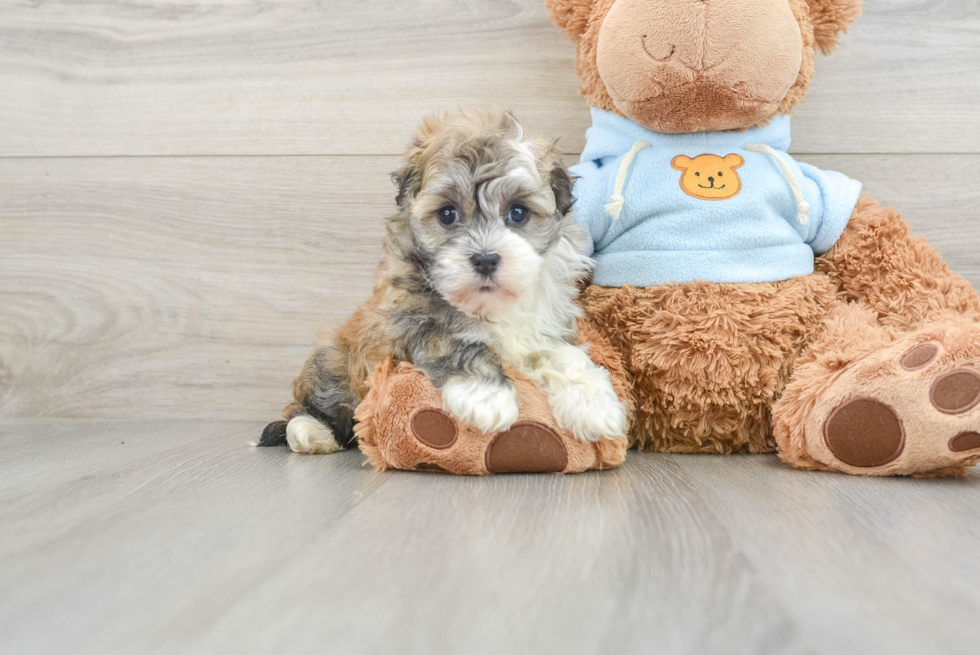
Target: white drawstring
pixel 616 200
pixel 802 206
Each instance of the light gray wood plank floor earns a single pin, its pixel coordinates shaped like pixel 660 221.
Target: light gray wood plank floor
pixel 163 537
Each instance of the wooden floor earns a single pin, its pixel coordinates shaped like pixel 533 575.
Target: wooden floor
pixel 171 537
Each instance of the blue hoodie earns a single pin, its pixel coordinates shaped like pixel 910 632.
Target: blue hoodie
pixel 712 206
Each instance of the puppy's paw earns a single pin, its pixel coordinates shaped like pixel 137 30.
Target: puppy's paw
pixel 305 434
pixel 589 408
pixel 487 406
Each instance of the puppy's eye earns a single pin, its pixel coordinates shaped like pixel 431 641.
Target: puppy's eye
pixel 519 214
pixel 448 216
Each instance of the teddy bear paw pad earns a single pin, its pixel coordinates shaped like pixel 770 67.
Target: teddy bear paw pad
pixel 956 392
pixel 434 428
pixel 864 432
pixel 429 466
pixel 528 447
pixel 920 356
pixel 910 409
pixel 964 441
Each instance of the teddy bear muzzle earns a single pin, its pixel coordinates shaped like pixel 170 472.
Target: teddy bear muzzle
pixel 695 65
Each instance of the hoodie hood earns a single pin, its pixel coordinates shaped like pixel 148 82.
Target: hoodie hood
pixel 612 135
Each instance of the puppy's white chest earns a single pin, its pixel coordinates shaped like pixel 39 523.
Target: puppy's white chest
pixel 516 343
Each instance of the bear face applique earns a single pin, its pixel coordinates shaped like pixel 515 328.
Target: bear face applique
pixel 709 177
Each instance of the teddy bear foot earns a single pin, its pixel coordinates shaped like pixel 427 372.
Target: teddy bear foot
pixel 402 425
pixel 912 408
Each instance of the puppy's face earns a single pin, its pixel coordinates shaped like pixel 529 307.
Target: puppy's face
pixel 485 206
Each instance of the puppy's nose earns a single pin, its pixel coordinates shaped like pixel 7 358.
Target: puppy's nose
pixel 485 263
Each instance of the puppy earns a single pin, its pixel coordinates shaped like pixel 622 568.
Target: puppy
pixel 480 270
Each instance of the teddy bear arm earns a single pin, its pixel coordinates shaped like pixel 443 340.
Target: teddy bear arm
pixel 879 261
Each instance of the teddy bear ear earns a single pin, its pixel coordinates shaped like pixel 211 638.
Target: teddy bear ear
pixel 830 19
pixel 571 15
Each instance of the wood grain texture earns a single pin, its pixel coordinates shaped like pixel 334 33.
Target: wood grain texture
pixel 353 76
pixel 194 287
pixel 177 537
pixel 178 287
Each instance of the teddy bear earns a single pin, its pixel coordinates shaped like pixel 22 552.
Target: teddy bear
pixel 757 303
pixel 400 424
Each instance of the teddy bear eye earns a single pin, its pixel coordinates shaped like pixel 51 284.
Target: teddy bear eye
pixel 697 174
pixel 719 173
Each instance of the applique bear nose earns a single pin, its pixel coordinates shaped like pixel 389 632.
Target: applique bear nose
pixel 485 263
pixel 712 180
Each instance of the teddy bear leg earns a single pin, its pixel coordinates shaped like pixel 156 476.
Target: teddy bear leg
pixel 903 279
pixel 865 402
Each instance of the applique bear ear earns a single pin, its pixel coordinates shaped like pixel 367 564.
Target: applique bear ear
pixel 571 15
pixel 830 19
pixel 734 161
pixel 681 163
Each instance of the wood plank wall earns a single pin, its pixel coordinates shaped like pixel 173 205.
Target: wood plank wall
pixel 189 191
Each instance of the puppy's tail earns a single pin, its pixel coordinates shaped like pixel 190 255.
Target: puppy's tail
pixel 328 435
pixel 274 434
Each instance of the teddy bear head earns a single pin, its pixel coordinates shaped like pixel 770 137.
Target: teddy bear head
pixel 678 66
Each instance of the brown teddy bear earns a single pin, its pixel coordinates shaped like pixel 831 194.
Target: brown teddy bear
pixel 758 303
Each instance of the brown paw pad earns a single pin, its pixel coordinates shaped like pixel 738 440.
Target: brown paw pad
pixel 434 428
pixel 964 441
pixel 528 447
pixel 864 432
pixel 920 356
pixel 956 392
pixel 428 466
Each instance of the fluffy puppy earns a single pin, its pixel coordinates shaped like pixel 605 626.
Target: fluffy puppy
pixel 480 270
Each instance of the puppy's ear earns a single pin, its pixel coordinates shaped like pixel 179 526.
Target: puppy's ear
pixel 408 179
pixel 830 19
pixel 571 15
pixel 409 182
pixel 561 186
